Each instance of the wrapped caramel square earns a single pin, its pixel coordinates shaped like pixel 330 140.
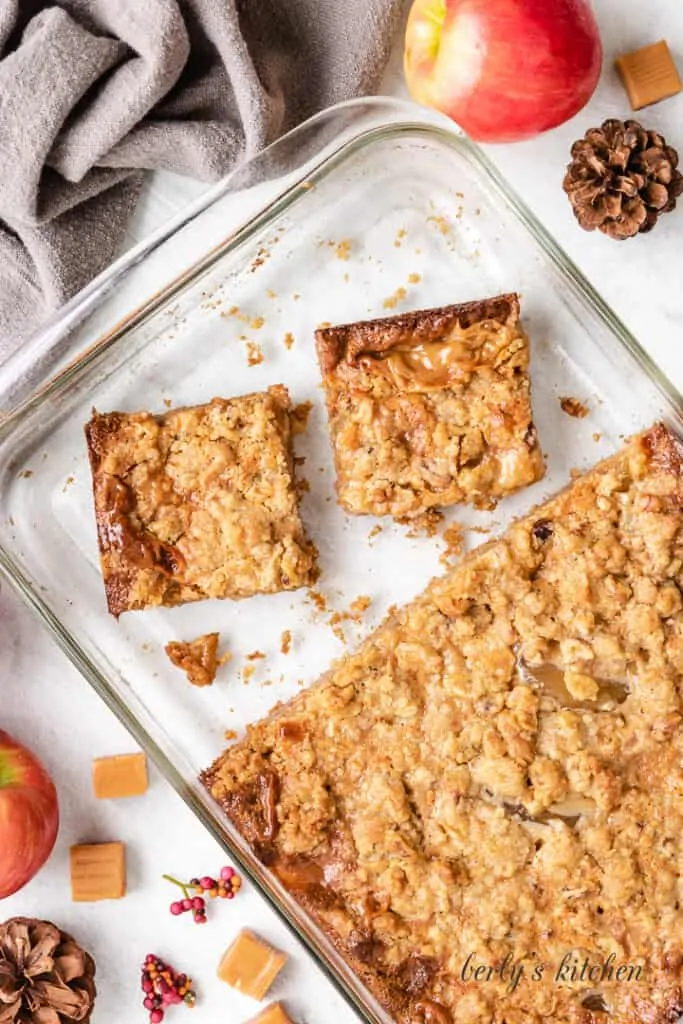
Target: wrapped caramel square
pixel 115 778
pixel 649 74
pixel 251 966
pixel 98 872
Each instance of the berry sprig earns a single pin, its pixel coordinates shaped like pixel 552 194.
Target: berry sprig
pixel 163 988
pixel 225 887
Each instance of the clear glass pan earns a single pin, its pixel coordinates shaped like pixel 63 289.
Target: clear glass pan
pixel 372 207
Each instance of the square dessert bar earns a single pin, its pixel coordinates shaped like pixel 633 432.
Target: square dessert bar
pixel 430 408
pixel 496 775
pixel 198 503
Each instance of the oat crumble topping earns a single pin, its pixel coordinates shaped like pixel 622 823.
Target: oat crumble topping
pixel 498 770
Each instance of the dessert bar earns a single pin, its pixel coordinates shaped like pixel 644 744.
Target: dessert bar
pixel 430 408
pixel 198 503
pixel 488 794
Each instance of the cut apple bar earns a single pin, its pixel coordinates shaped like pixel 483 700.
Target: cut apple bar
pixel 430 408
pixel 198 503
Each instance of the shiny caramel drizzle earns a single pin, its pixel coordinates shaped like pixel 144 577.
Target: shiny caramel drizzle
pixel 432 365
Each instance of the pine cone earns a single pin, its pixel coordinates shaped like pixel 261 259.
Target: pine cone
pixel 45 976
pixel 621 178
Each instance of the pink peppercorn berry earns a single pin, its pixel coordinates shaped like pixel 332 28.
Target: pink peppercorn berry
pixel 227 873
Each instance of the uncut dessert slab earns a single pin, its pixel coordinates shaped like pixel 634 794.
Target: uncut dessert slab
pixel 495 777
pixel 405 220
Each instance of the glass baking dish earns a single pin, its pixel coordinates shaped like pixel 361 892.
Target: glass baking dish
pixel 371 208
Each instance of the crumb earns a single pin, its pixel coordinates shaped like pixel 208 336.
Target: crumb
pixel 302 486
pixel 454 540
pixel 597 437
pixel 257 323
pixel 262 255
pixel 354 613
pixel 286 642
pixel 359 606
pixel 574 407
pixel 254 353
pixel 399 238
pixel 307 185
pixel 270 293
pixel 224 658
pixel 168 402
pixel 230 734
pixel 300 682
pixel 68 482
pixel 299 460
pixel 247 673
pixel 26 473
pixel 288 339
pixel 300 414
pixel 255 656
pixel 267 682
pixel 414 278
pixel 424 525
pixel 375 530
pixel 146 647
pixel 343 249
pixel 394 299
pixel 334 622
pixel 296 296
pixel 233 311
pixel 197 658
pixel 480 529
pixel 325 323
pixel 442 223
pixel 318 599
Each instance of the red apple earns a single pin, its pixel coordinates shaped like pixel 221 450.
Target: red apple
pixel 29 815
pixel 503 69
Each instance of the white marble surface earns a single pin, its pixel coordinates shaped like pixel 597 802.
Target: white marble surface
pixel 44 701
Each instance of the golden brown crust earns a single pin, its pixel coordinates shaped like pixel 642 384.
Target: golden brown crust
pixel 198 503
pixel 430 408
pixel 349 341
pixel 498 770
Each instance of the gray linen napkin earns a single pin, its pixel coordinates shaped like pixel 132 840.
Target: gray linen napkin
pixel 95 92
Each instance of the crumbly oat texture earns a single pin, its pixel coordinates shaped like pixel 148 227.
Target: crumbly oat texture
pixel 198 658
pixel 430 408
pixel 498 770
pixel 198 503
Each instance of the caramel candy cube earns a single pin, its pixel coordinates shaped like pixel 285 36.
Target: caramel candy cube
pixel 98 872
pixel 649 75
pixel 251 966
pixel 273 1014
pixel 115 778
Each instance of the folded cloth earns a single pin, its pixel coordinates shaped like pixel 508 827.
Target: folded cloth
pixel 93 93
